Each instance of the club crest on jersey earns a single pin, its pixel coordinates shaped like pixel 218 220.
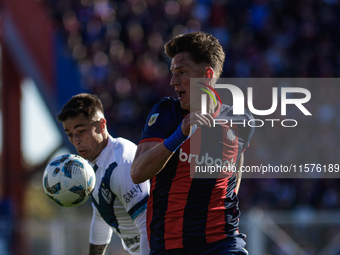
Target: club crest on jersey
pixel 107 195
pixel 153 119
pixel 231 136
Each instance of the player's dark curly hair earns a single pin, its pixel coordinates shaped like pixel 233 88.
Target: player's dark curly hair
pixel 88 104
pixel 202 47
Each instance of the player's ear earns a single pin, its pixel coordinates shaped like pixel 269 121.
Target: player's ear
pixel 209 72
pixel 102 123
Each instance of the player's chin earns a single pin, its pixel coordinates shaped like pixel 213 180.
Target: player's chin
pixel 185 105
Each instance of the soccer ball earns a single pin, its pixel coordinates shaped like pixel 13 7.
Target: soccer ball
pixel 68 180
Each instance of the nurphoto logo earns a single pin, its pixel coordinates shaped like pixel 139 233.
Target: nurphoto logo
pixel 295 96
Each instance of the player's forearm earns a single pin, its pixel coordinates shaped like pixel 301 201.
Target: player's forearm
pixel 97 249
pixel 148 164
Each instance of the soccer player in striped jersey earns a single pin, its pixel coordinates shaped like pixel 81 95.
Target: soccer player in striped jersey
pixel 119 205
pixel 191 215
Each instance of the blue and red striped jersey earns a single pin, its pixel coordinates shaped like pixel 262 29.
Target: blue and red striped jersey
pixel 183 210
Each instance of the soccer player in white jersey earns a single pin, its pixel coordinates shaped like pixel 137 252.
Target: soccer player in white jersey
pixel 119 205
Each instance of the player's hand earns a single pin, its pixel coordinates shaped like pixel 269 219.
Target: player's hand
pixel 196 118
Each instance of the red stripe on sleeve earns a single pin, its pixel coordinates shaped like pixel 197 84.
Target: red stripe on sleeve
pixel 152 139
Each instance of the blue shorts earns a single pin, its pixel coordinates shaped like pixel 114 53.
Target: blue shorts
pixel 229 246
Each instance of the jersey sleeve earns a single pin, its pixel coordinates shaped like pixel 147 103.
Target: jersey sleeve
pixel 140 223
pixel 161 122
pixel 250 130
pixel 134 197
pixel 245 131
pixel 100 231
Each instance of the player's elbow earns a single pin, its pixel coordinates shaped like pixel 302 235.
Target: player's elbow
pixel 136 175
pixel 135 178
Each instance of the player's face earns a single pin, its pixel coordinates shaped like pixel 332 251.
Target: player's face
pixel 182 69
pixel 85 135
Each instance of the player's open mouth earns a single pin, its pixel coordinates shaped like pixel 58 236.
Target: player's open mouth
pixel 180 94
pixel 81 152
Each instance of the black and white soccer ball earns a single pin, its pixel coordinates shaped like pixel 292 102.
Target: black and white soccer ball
pixel 69 180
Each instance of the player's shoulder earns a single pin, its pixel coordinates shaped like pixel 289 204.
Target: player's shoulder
pixel 169 107
pixel 168 111
pixel 122 149
pixel 227 111
pixel 123 143
pixel 245 129
pixel 122 152
pixel 168 103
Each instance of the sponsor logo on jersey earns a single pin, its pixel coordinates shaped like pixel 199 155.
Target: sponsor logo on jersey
pixel 131 241
pixel 206 160
pixel 132 193
pixel 153 119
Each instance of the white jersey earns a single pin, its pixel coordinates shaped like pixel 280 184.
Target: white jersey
pixel 119 205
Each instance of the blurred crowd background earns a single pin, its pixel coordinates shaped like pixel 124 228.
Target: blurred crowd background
pixel 118 46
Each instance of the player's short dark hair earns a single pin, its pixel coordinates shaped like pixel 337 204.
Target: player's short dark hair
pixel 88 104
pixel 202 48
